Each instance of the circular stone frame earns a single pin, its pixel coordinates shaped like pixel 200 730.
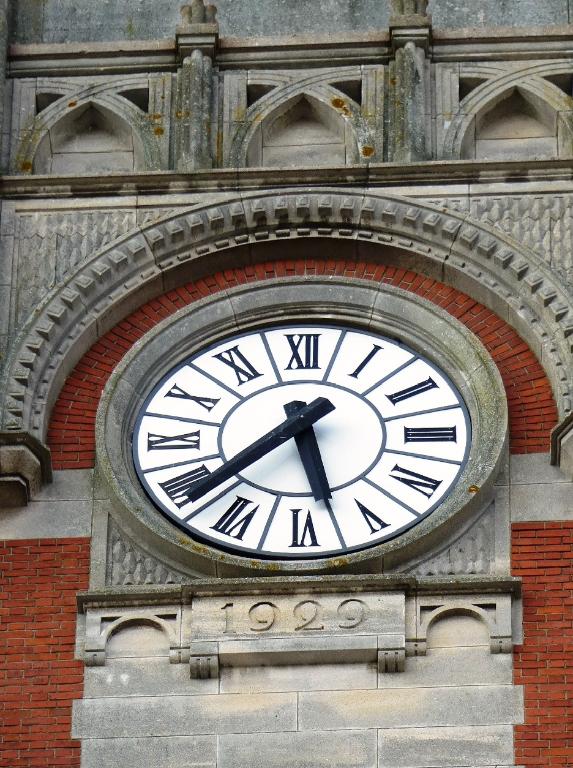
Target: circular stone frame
pixel 383 309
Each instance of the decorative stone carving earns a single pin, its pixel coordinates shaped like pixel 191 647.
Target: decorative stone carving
pixel 229 622
pixel 24 465
pixel 245 127
pixel 471 553
pixel 198 13
pixel 101 624
pixel 493 608
pixel 51 245
pixel 128 564
pixel 149 131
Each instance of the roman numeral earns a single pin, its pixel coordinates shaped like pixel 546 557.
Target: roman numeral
pixel 304 348
pixel 415 389
pixel 414 480
pixel 375 349
pixel 208 403
pixel 235 359
pixel 168 442
pixel 178 488
pixel 374 522
pixel 429 434
pixel 234 523
pixel 308 536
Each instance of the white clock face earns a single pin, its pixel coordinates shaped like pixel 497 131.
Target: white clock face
pixel 301 441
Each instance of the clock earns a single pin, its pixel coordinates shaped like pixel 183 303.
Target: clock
pixel 301 441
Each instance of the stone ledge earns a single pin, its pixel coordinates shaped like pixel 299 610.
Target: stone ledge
pixel 184 593
pixel 25 464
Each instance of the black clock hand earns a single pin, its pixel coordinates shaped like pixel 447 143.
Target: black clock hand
pixel 310 456
pixel 292 426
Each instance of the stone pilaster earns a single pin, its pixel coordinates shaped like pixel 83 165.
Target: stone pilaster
pixel 410 29
pixel 196 43
pixel 3 53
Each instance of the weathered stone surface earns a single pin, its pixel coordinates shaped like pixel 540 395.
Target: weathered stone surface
pixel 170 752
pixel 353 749
pixel 52 244
pixel 445 747
pixel 453 667
pixel 145 676
pixel 317 677
pixel 141 716
pixel 412 707
pixel 47 520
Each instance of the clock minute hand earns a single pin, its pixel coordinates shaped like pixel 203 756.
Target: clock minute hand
pixel 293 425
pixel 310 457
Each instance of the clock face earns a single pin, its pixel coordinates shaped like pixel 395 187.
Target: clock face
pixel 301 441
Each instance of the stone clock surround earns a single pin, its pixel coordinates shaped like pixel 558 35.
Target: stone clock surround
pixel 381 309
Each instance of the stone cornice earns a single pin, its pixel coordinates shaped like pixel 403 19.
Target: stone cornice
pixel 184 593
pixel 442 172
pixel 461 45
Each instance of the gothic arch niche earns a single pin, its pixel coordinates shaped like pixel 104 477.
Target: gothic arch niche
pixel 301 132
pixel 518 124
pixel 89 139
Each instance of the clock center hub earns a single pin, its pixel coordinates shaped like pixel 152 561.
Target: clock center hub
pixel 350 438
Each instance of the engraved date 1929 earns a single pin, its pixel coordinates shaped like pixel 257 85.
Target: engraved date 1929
pixel 304 616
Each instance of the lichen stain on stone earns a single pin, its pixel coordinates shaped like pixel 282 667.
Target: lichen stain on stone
pixel 473 489
pixel 367 151
pixel 180 114
pixel 129 28
pixel 26 166
pixel 72 103
pixel 159 131
pixel 341 105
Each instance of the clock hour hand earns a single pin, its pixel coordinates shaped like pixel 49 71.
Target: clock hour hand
pixel 309 452
pixel 293 425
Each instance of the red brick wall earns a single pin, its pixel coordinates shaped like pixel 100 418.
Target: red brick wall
pixel 39 677
pixel 542 555
pixel 532 408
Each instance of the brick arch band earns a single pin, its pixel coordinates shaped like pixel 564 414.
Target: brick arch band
pixel 532 409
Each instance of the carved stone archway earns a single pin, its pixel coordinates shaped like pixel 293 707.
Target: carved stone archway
pixel 505 276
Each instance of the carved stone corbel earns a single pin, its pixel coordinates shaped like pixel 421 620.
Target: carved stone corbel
pixel 204 661
pixel 25 464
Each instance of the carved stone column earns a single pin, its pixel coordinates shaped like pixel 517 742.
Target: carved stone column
pixel 410 28
pixel 196 42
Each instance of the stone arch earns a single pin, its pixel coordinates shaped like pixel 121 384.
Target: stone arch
pixel 111 104
pixel 445 614
pixel 479 260
pixel 135 620
pixel 327 100
pixel 534 89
